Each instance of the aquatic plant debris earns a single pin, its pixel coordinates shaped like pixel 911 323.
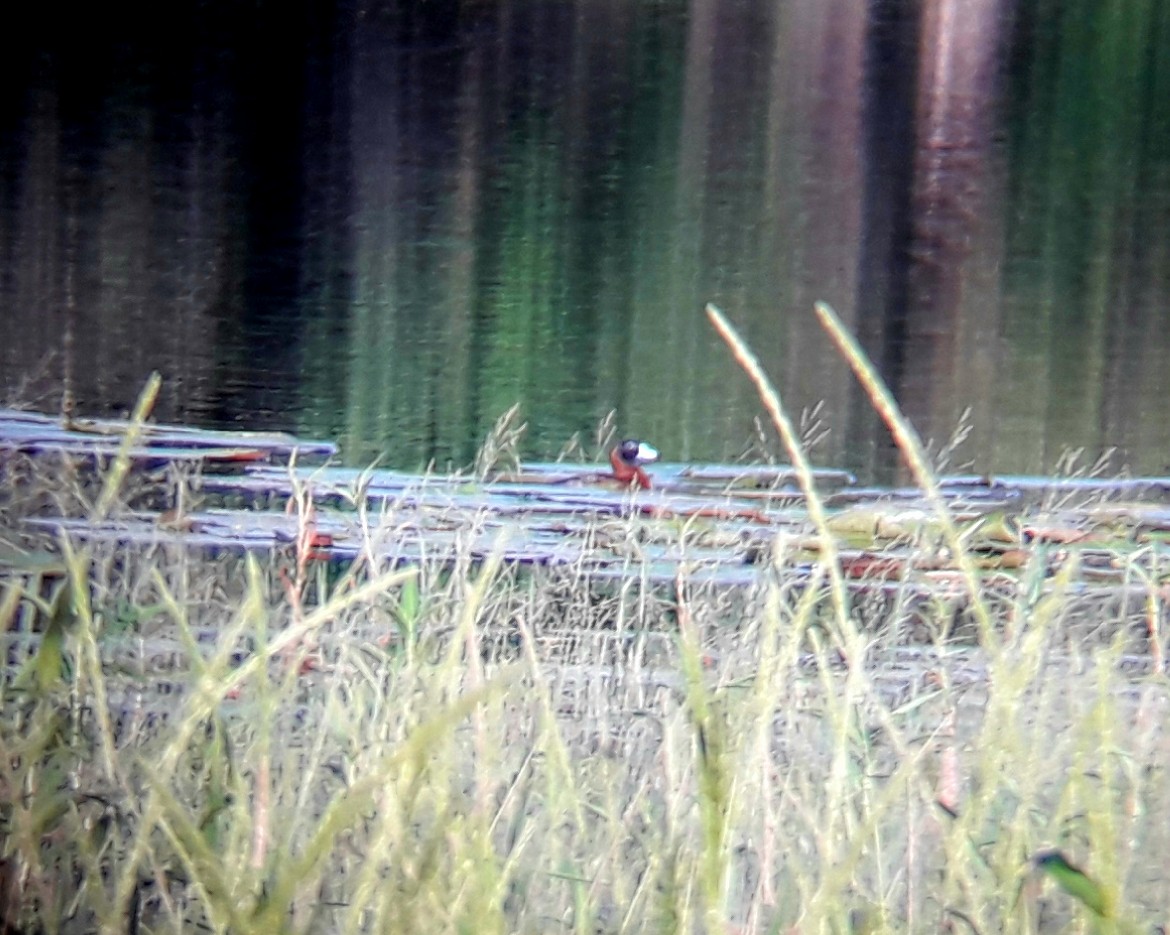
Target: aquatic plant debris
pixel 727 523
pixel 37 434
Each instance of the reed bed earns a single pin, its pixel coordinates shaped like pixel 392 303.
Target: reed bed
pixel 200 742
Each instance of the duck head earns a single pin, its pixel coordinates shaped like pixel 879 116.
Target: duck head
pixel 627 459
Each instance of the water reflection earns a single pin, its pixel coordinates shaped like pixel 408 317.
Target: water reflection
pixel 401 219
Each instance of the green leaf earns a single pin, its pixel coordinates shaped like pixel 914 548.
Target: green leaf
pixel 1075 882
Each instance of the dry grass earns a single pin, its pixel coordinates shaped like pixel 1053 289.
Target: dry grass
pixel 193 742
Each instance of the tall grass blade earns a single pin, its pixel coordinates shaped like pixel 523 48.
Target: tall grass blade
pixel 121 466
pixel 790 436
pixel 914 452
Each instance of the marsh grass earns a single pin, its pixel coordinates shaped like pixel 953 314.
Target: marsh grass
pixel 193 742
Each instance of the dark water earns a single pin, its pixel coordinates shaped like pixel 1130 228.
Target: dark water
pixel 387 223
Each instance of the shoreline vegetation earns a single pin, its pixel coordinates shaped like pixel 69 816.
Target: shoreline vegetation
pixel 380 713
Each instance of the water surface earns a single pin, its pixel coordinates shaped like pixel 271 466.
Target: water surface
pixel 387 223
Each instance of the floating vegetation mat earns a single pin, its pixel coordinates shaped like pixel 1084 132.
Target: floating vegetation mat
pixel 735 532
pixel 220 492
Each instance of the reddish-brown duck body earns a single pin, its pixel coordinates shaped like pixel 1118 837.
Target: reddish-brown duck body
pixel 627 459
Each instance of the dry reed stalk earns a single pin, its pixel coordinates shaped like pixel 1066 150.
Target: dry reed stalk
pixel 121 466
pixel 804 472
pixel 843 711
pixel 914 452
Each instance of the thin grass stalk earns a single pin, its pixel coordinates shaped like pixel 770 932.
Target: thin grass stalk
pixel 560 762
pixel 824 906
pixel 778 652
pixel 261 778
pixel 10 605
pixel 209 688
pixel 908 442
pixel 289 638
pixel 203 863
pixel 90 661
pixel 215 681
pixel 843 712
pixel 470 666
pixel 804 473
pixel 358 798
pixel 713 769
pixel 121 466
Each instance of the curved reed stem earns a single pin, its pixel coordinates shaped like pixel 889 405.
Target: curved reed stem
pixel 804 473
pixel 914 452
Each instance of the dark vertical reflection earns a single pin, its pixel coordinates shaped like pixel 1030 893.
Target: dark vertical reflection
pixel 287 124
pixel 883 296
pixel 388 222
pixel 948 352
pixel 1090 151
pixel 325 239
pixel 930 309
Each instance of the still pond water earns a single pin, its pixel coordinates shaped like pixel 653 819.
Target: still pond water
pixel 386 223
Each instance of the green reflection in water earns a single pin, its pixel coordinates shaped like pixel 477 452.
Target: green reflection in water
pixel 531 202
pixel 1087 276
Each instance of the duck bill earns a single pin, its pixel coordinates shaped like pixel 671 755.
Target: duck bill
pixel 646 454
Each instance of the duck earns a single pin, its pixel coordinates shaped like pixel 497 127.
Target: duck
pixel 627 458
